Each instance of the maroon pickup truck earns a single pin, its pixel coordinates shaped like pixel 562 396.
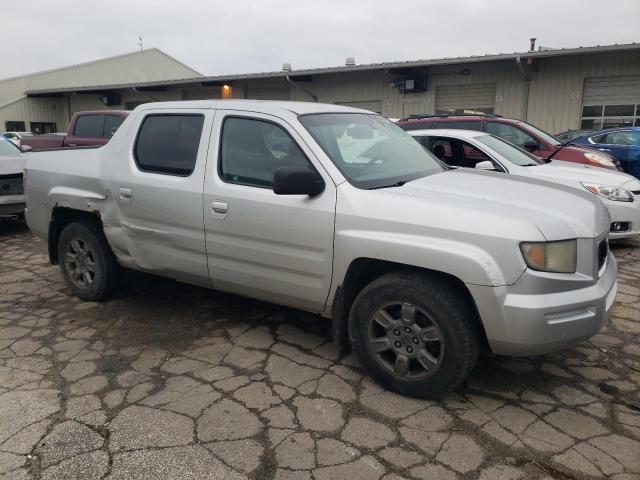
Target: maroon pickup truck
pixel 85 129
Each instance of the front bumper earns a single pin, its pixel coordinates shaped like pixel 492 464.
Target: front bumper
pixel 522 320
pixel 11 205
pixel 625 212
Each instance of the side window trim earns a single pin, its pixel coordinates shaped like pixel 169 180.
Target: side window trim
pixel 165 114
pixel 256 119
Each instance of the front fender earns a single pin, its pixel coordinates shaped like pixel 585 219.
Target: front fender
pixel 467 262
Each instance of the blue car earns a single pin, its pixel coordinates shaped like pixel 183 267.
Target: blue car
pixel 623 143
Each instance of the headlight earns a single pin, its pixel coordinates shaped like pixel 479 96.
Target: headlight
pixel 600 159
pixel 557 257
pixel 609 192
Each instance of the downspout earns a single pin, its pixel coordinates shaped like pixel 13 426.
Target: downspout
pixel 526 82
pixel 292 82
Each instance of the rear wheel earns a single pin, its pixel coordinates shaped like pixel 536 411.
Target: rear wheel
pixel 417 336
pixel 87 264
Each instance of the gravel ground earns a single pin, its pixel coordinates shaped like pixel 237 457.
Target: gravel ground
pixel 172 381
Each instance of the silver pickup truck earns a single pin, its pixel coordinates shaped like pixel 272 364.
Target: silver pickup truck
pixel 337 211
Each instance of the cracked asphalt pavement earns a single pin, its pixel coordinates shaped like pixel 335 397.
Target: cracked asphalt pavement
pixel 172 381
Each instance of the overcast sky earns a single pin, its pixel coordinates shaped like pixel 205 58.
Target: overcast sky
pixel 240 36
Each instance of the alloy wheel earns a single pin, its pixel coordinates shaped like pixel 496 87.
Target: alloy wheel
pixel 406 340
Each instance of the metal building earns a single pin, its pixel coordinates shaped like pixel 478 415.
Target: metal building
pixel 555 89
pixel 20 112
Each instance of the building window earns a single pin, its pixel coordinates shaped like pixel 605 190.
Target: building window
pixel 15 126
pixel 43 127
pixel 598 117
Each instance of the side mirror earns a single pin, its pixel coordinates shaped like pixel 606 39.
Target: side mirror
pixel 26 148
pixel 485 165
pixel 531 145
pixel 297 181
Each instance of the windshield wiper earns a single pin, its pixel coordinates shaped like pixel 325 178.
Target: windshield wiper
pixel 560 147
pixel 397 184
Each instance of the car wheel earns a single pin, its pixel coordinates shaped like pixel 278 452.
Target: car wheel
pixel 417 336
pixel 86 261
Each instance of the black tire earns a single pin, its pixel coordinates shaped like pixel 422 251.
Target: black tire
pixel 439 311
pixel 98 254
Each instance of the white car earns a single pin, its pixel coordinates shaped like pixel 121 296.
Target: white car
pixel 12 163
pixel 472 149
pixel 16 137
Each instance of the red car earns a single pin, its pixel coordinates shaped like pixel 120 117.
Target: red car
pixel 85 129
pixel 520 133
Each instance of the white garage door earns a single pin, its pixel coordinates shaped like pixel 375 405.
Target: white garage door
pixel 371 105
pixel 268 92
pixel 611 102
pixel 465 98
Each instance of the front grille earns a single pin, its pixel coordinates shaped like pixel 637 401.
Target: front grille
pixel 11 184
pixel 603 252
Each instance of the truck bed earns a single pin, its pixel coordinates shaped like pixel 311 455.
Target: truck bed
pixel 41 142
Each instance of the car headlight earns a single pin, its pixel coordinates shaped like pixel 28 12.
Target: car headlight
pixel 599 159
pixel 609 192
pixel 556 257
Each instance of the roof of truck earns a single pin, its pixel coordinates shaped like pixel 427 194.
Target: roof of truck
pixel 264 106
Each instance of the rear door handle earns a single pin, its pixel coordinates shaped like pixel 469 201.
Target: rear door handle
pixel 125 194
pixel 220 208
pixel 604 149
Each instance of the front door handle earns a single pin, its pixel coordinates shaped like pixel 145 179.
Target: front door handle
pixel 125 194
pixel 604 149
pixel 219 207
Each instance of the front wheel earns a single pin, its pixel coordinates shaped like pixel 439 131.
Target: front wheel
pixel 86 261
pixel 417 337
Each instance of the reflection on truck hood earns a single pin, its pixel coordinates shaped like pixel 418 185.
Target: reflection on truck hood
pixel 557 211
pixel 12 165
pixel 558 170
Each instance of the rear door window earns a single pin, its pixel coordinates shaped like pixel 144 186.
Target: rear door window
pixel 111 124
pixel 168 143
pixel 89 126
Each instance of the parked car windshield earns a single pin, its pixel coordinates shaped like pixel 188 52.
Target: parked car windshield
pixel 509 151
pixel 8 148
pixel 547 137
pixel 369 150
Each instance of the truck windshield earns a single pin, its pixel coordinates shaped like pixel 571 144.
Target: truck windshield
pixel 7 148
pixel 369 150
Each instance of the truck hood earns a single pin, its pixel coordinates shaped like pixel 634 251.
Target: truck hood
pixel 12 165
pixel 569 172
pixel 556 211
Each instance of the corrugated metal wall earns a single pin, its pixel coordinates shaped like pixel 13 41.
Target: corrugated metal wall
pixel 36 110
pixel 144 66
pixel 555 98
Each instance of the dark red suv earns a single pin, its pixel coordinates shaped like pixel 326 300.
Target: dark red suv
pixel 523 134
